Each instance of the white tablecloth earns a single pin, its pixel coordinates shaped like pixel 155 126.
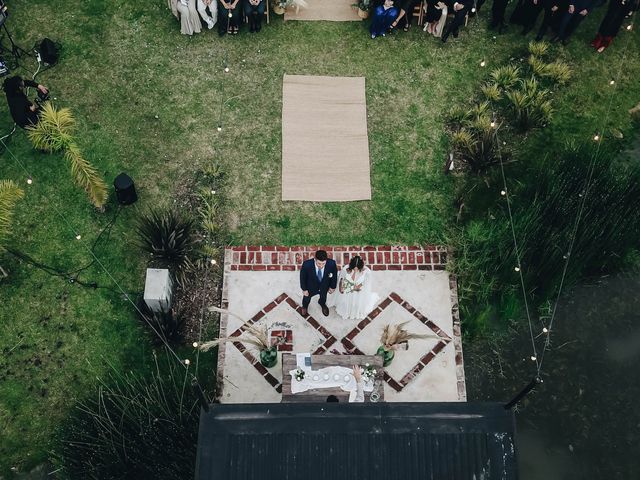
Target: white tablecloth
pixel 328 377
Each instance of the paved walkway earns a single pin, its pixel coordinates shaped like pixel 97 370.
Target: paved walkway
pixel 261 285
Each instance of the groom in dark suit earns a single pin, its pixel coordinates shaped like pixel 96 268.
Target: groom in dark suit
pixel 318 276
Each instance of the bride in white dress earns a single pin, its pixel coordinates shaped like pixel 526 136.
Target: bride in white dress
pixel 355 300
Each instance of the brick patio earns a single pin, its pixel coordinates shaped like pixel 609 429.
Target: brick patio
pixel 261 285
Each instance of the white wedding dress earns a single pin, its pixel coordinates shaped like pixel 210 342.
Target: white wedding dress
pixel 352 304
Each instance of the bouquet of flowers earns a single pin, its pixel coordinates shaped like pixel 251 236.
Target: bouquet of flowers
pixel 368 373
pixel 347 285
pixel 298 374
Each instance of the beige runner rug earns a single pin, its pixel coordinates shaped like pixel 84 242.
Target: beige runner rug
pixel 325 148
pixel 331 10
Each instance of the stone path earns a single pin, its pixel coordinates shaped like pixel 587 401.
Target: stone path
pixel 261 285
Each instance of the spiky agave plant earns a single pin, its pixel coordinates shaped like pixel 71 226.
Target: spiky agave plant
pixel 54 133
pixel 169 238
pixel 10 193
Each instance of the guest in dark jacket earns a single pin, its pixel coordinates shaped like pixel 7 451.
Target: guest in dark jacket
pixel 460 9
pixel 23 112
pixel 318 276
pixel 612 21
pixel 571 19
pixel 497 14
pixel 551 14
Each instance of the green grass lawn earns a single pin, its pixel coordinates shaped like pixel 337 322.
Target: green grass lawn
pixel 147 101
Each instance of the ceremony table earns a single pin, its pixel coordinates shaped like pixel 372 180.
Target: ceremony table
pixel 322 361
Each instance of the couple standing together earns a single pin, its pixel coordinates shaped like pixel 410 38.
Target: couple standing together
pixel 348 290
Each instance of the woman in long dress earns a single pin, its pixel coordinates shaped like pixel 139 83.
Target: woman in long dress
pixel 355 299
pixel 435 18
pixel 186 12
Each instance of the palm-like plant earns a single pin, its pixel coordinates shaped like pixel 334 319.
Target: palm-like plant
pixel 10 193
pixel 54 133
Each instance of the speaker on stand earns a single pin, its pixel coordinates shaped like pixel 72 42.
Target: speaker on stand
pixel 125 189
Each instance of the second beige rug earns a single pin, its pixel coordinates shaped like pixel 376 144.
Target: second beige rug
pixel 325 147
pixel 331 10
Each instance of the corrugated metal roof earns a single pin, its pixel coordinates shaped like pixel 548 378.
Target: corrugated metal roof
pixel 390 441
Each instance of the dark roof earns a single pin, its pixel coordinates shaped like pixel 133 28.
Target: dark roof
pixel 332 441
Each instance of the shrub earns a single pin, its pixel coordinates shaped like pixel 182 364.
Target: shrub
pixel 559 71
pixel 530 105
pixel 538 49
pixel 54 133
pixel 168 237
pixel 491 91
pixel 538 66
pixel 506 76
pixel 134 427
pixel 165 323
pixel 475 139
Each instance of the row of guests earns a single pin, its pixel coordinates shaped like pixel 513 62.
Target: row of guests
pixel 227 14
pixel 397 14
pixel 562 16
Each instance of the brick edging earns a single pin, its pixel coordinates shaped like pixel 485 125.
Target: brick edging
pixel 273 258
pixel 457 339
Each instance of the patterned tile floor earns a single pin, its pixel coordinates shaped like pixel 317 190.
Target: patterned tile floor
pixel 261 286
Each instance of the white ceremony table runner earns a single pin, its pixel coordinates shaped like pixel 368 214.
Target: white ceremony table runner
pixel 328 377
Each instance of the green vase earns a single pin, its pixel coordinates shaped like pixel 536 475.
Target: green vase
pixel 387 355
pixel 269 357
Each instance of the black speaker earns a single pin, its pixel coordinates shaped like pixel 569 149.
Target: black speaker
pixel 49 51
pixel 125 189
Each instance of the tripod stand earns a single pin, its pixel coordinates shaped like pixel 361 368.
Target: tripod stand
pixel 15 50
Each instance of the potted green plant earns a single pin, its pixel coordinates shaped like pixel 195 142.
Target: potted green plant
pixel 363 8
pixel 258 336
pixel 392 337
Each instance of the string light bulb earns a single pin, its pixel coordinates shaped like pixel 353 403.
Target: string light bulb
pixel 29 180
pixel 195 344
pixel 473 10
pixel 213 192
pixel 187 361
pixel 483 63
pixel 630 26
pixel 78 237
pixel 219 128
pixel 213 261
pixel 517 269
pixel 596 137
pixel 503 192
pixel 612 82
pixel 533 358
pixel 545 330
pixel 226 69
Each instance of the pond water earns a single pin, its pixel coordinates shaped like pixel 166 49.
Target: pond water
pixel 583 422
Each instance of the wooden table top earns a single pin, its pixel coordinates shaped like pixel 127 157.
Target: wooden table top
pixel 322 361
